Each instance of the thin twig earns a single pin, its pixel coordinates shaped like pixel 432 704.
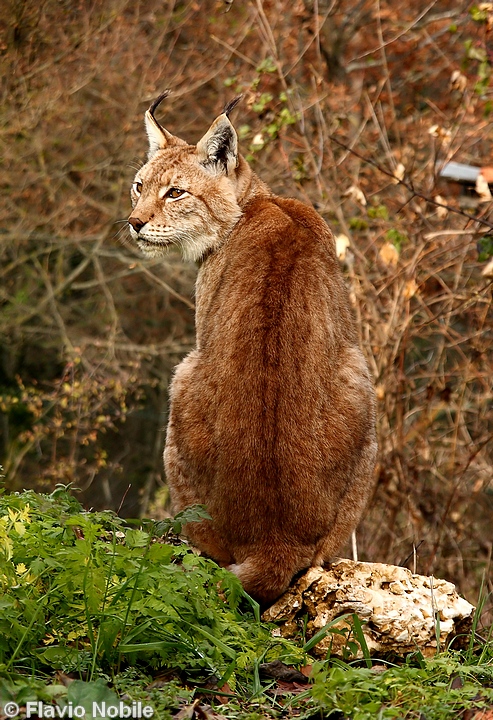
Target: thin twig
pixel 408 185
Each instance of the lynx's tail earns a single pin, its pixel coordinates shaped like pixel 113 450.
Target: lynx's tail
pixel 264 577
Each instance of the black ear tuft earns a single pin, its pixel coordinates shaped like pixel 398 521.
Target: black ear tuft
pixel 229 107
pixel 159 137
pixel 156 103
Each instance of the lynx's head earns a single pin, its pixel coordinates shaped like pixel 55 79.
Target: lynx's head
pixel 188 195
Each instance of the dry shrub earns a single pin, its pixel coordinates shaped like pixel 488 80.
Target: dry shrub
pixel 349 106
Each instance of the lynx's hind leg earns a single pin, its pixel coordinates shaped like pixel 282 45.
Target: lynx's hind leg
pixel 183 495
pixel 204 536
pixel 265 577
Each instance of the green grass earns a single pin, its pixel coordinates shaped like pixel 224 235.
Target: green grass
pixel 92 608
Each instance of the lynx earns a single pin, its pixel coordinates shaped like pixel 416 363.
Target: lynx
pixel 272 415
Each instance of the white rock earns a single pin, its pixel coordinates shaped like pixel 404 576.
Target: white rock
pixel 398 610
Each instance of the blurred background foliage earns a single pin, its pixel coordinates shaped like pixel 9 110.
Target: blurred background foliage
pixel 350 106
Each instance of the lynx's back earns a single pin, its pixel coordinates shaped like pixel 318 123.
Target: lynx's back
pixel 272 416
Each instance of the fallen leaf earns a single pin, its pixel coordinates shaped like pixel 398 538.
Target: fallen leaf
pixel 279 671
pixel 355 193
pixel 161 679
pixel 342 244
pixel 63 679
pixel 197 711
pixel 457 683
pixel 187 712
pixel 488 270
pixel 289 688
pixel 410 289
pixel 486 714
pixel 399 173
pixel 258 141
pixel 224 699
pixel 205 712
pixel 441 132
pixel 379 669
pixel 458 81
pixel 482 188
pixel 380 390
pixel 442 212
pixel 389 254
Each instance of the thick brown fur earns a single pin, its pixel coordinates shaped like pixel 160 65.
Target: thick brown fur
pixel 272 416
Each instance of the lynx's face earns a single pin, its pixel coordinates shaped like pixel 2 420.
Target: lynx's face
pixel 177 201
pixel 185 195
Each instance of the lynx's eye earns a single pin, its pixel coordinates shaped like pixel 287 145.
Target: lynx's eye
pixel 137 187
pixel 174 193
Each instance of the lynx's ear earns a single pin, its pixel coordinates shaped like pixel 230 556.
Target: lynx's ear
pixel 218 149
pixel 159 137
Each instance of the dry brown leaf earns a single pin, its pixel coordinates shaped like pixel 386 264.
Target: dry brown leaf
pixel 442 212
pixel 389 254
pixel 197 711
pixel 488 270
pixel 357 194
pixel 380 391
pixel 187 712
pixel 224 699
pixel 289 688
pixel 342 244
pixel 484 714
pixel 458 81
pixel 440 132
pixel 482 188
pixel 281 672
pixel 399 173
pixel 410 289
pixel 63 679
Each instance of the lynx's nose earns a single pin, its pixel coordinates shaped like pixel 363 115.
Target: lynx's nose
pixel 136 223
